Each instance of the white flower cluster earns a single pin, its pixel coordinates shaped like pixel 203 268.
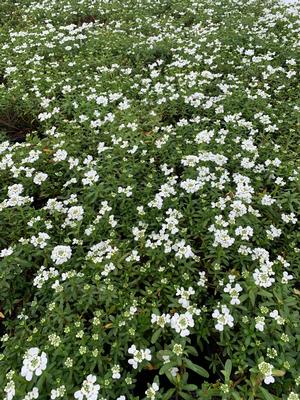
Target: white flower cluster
pixel 264 275
pixel 100 251
pixel 90 178
pixel 152 391
pixel 9 390
pixel 74 214
pixel 14 197
pixel 260 323
pixel 160 320
pixel 203 279
pixel 6 252
pixel 44 275
pixel 107 269
pixel 138 356
pixel 89 389
pixel 40 240
pixel 223 318
pixel 33 394
pixel 266 370
pixel 58 392
pixel 39 178
pixel 34 363
pixel 222 237
pixel 233 291
pixel 61 254
pixel 115 369
pixel 166 191
pixel 182 322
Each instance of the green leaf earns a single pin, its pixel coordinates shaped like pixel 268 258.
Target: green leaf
pixel 235 395
pixel 190 387
pixel 196 368
pixel 252 297
pixel 171 378
pixel 265 293
pixel 278 372
pixel 185 396
pixel 192 350
pixel 266 394
pixel 227 371
pixel 168 394
pixel 155 336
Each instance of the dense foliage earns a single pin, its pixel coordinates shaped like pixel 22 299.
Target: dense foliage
pixel 149 202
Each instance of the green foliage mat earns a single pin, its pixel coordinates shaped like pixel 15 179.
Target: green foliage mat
pixel 149 201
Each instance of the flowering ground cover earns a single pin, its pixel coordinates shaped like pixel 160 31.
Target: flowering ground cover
pixel 150 200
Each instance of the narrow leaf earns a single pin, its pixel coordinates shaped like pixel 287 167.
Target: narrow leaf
pixel 266 394
pixel 196 368
pixel 228 368
pixel 155 336
pixel 168 394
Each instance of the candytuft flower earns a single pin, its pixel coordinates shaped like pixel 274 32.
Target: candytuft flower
pixel 61 254
pixel 89 389
pixel 33 363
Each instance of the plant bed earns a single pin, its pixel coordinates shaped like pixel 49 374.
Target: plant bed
pixel 149 200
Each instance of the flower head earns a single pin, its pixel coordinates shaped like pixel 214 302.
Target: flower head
pixel 33 363
pixel 89 389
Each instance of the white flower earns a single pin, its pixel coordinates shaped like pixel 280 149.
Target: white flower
pixel 75 213
pixel 293 396
pixel 245 232
pixel 100 251
pixel 191 185
pixel 34 394
pixel 39 178
pixel 61 254
pixel 10 390
pixel 286 277
pixel 43 276
pixel 289 218
pixel 138 356
pixel 116 372
pixel 151 391
pixel 233 292
pixel 273 232
pixel 90 177
pixel 275 314
pixel 262 277
pixel 59 392
pixel 204 136
pixel 182 250
pixel 174 371
pixel 107 269
pixel 101 147
pixel 60 155
pixel 222 238
pixel 127 190
pixel 181 323
pixel 184 294
pixel 267 200
pixel 40 241
pixel 33 363
pixel 223 318
pixel 89 389
pixel 260 323
pixel 202 281
pixel 266 369
pixel 6 252
pixel 160 320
